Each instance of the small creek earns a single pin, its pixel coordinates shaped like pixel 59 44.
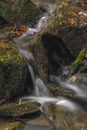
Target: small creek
pixel 65 114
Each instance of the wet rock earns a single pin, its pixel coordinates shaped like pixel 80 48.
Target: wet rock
pixel 16 110
pixel 13 71
pixel 69 25
pixel 78 71
pixel 67 120
pixel 57 90
pixel 2 22
pixel 75 38
pixel 19 12
pixel 39 124
pixel 41 59
pixel 57 53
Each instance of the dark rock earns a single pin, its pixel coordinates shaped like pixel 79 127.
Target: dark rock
pixel 57 52
pixel 2 22
pixel 19 12
pixel 75 38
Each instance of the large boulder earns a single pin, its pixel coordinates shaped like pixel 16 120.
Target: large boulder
pixel 13 71
pixel 71 26
pixel 19 11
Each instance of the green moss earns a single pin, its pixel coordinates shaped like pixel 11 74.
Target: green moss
pixel 13 71
pixel 16 110
pixel 13 126
pixel 9 53
pixel 19 12
pixel 79 62
pixel 67 15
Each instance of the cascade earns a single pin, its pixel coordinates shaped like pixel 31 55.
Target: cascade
pixel 41 93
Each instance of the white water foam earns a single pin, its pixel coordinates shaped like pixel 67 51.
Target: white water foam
pixel 40 88
pixel 73 87
pixel 60 101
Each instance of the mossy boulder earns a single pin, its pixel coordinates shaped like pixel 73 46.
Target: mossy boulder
pixel 16 110
pixel 13 71
pixel 19 12
pixel 71 26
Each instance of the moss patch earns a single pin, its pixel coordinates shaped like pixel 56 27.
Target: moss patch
pixel 16 110
pixel 67 16
pixel 80 62
pixel 19 12
pixel 13 71
pixel 13 126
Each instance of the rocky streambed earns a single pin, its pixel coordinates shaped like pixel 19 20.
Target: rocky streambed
pixel 50 57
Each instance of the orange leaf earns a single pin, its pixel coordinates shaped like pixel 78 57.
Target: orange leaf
pixel 71 20
pixel 20 30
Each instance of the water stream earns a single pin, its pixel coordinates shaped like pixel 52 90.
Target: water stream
pixel 41 93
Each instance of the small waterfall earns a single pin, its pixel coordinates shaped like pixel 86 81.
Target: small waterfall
pixel 80 93
pixel 22 42
pixel 41 93
pixel 40 88
pixel 61 101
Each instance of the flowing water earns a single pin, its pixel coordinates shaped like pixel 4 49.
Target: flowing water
pixel 41 93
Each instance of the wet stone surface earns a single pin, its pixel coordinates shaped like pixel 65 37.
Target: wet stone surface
pixel 41 123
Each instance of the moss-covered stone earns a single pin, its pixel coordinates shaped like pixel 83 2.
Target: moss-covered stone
pixel 13 70
pixel 59 91
pixel 13 126
pixel 16 110
pixel 71 26
pixel 80 62
pixel 66 16
pixel 19 12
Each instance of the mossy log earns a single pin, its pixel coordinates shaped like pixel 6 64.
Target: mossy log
pixel 13 71
pixel 16 110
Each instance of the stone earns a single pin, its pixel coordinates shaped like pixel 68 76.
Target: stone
pixel 67 120
pixel 40 123
pixel 19 12
pixel 13 71
pixel 72 31
pixel 18 110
